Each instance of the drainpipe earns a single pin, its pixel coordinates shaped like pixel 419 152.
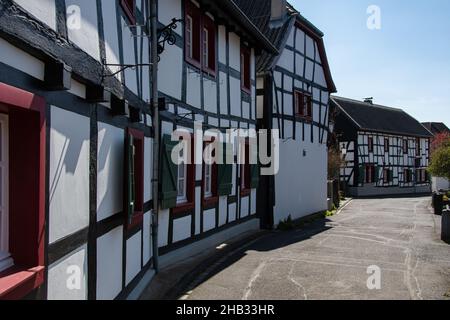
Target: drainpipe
pixel 152 13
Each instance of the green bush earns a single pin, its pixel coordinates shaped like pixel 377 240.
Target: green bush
pixel 286 224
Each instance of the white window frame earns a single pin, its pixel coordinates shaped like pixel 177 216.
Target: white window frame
pixel 182 180
pixel 190 36
pixel 205 50
pixel 208 181
pixel 5 257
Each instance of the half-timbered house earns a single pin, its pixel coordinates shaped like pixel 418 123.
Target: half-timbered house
pixel 293 90
pixel 385 150
pixel 77 139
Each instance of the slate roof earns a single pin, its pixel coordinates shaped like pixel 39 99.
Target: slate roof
pixel 258 11
pixel 436 127
pixel 377 118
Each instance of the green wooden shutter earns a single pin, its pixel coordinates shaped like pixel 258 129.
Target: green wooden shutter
pixel 131 180
pixel 169 174
pixel 225 172
pixel 377 174
pixel 254 169
pixel 362 174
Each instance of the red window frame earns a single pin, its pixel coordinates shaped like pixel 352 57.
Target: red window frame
pixel 27 165
pixel 386 144
pixel 246 77
pixel 386 173
pixel 200 22
pixel 209 201
pixel 370 144
pixel 190 185
pixel 138 141
pixel 370 173
pixel 303 105
pixel 245 174
pixel 129 8
pixel 418 149
pixel 405 146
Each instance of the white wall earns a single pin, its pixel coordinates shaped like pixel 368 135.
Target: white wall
pixel 67 278
pixel 69 173
pixel 44 10
pixel 440 184
pixel 301 184
pixel 20 60
pixel 86 37
pixel 109 264
pixel 111 142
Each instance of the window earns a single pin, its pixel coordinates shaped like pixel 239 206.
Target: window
pixel 407 176
pixel 387 175
pixel 182 183
pixel 421 176
pixel 245 69
pixel 26 166
pixel 370 173
pixel 303 105
pixel 418 149
pixel 200 39
pixel 5 258
pixel 129 7
pixel 370 143
pixel 386 144
pixel 209 177
pixel 405 146
pixel 135 177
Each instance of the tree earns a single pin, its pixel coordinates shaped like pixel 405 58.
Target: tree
pixel 335 162
pixel 440 158
pixel 439 141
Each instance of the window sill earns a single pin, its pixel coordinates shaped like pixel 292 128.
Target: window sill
pixel 212 201
pixel 183 207
pixel 17 282
pixel 246 192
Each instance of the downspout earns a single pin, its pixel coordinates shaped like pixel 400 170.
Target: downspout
pixel 152 8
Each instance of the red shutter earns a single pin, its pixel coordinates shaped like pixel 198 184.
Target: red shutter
pixel 194 12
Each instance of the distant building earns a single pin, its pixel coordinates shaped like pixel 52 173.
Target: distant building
pixel 386 150
pixel 436 127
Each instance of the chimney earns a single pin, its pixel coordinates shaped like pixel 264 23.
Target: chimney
pixel 368 100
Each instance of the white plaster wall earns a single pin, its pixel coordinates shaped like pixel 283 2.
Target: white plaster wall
pixel 235 96
pixel 44 10
pixel 209 220
pixel 309 47
pixel 193 97
pixel 111 142
pixel 244 207
pixel 440 184
pixel 286 60
pixel 72 267
pixel 169 9
pixel 129 56
pixel 222 43
pixel 78 89
pixel 223 93
pixel 163 228
pixel 111 34
pixel 170 71
pixel 20 60
pixel 69 173
pixel 235 51
pixel 147 248
pixel 109 264
pixel 210 92
pixel 253 202
pixel 232 212
pixel 133 257
pixel 223 204
pixel 301 183
pixel 85 37
pixel 182 228
pixel 300 41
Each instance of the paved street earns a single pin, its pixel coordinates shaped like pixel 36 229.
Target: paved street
pixel 329 259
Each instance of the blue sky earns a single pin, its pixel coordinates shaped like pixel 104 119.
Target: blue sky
pixel 405 64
